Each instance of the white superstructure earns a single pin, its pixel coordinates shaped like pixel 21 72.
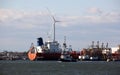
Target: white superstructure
pixel 114 49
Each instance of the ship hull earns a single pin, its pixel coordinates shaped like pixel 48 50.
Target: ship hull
pixel 44 56
pixel 48 56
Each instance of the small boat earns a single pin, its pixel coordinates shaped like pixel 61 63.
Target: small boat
pixel 66 54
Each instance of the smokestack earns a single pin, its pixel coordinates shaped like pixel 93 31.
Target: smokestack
pixel 40 41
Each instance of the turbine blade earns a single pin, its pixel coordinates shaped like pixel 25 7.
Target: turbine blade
pixel 53 18
pixel 51 15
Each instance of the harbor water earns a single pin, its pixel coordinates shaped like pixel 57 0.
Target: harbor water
pixel 59 68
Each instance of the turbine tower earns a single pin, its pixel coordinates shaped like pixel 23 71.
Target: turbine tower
pixel 54 22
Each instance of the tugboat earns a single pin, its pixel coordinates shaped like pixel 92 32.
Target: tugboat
pixel 66 53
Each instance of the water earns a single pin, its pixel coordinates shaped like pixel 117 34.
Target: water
pixel 59 68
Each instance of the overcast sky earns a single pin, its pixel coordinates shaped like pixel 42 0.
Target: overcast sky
pixel 82 21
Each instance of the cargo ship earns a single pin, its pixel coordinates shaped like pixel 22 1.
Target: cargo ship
pixel 50 50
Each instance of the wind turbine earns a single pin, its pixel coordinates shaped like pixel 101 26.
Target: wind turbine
pixel 54 22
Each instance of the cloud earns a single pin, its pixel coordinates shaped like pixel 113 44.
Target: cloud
pixel 94 10
pixel 32 19
pixel 88 19
pixel 113 16
pixel 22 19
pixel 97 15
pixel 9 15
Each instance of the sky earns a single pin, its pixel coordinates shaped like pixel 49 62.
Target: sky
pixel 81 21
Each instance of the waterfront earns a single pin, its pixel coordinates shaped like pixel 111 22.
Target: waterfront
pixel 59 68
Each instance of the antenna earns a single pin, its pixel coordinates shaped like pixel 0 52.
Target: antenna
pixel 54 22
pixel 64 44
pixel 64 39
